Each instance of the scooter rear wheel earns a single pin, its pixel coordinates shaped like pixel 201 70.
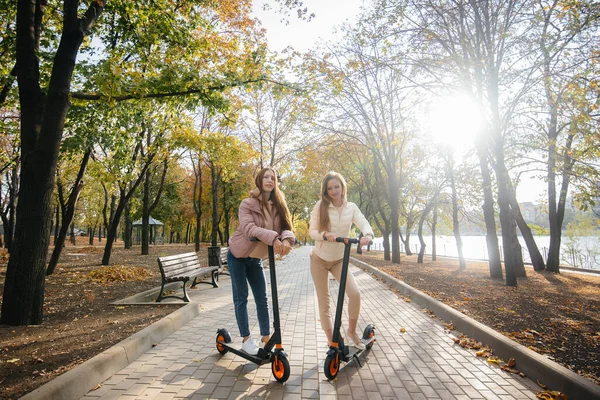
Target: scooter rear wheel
pixel 332 366
pixel 280 366
pixel 368 334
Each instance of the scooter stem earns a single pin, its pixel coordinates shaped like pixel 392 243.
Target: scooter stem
pixel 274 300
pixel 342 290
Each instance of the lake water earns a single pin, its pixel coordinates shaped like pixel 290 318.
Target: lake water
pixel 583 252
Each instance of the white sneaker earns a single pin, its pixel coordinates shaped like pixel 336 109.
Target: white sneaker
pixel 356 340
pixel 250 347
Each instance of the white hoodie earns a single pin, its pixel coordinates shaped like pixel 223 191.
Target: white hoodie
pixel 341 220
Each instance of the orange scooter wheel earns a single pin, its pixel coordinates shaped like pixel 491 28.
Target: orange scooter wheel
pixel 280 366
pixel 332 366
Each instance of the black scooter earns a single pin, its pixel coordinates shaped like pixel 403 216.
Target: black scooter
pixel 273 351
pixel 338 352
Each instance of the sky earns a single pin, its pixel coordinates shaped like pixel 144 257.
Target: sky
pixel 302 36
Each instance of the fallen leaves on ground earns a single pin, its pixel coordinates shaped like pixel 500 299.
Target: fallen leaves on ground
pixel 79 321
pixel 552 314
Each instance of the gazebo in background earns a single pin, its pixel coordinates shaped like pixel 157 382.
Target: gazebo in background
pixel 153 225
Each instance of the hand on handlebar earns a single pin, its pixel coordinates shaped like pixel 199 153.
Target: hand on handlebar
pixel 281 247
pixel 365 241
pixel 330 237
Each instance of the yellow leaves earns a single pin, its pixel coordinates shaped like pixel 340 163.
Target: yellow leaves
pixel 485 352
pixel 118 273
pixel 13 360
pixel 467 342
pixel 429 312
pixel 449 326
pixel 510 367
pixel 506 310
pixel 551 395
pixel 542 385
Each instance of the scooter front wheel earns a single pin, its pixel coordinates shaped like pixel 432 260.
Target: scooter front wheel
pixel 332 366
pixel 223 336
pixel 280 366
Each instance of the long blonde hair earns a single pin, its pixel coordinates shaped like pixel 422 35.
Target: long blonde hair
pixel 277 197
pixel 324 223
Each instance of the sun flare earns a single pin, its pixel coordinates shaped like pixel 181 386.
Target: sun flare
pixel 453 121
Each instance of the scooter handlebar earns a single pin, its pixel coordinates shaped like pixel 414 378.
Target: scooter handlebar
pixel 255 239
pixel 348 240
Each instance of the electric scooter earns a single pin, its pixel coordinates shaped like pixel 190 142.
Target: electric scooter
pixel 338 352
pixel 273 351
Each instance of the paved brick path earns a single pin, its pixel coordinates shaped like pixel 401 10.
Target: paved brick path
pixel 422 363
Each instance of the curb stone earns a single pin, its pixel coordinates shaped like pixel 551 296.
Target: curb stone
pixel 534 365
pixel 80 380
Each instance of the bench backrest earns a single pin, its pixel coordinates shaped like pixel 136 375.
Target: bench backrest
pixel 178 265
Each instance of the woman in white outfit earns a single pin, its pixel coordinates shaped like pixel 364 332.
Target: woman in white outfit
pixel 333 217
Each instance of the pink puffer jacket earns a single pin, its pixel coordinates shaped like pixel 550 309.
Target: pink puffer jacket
pixel 251 225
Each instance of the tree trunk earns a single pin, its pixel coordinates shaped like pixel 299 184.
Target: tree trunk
pixel 68 213
pixel 226 213
pixel 433 230
pixel 394 202
pixel 385 231
pixel 146 214
pixel 8 214
pixel 517 249
pixel 197 234
pixel 214 179
pixel 148 207
pixel 128 230
pixel 197 201
pixel 111 234
pixel 491 238
pixel 462 265
pixel 57 224
pixel 534 253
pixel 42 123
pixel 420 236
pixel 124 197
pixel 406 241
pixel 505 223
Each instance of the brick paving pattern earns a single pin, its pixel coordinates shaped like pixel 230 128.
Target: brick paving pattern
pixel 422 363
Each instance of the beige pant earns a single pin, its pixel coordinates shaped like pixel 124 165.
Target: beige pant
pixel 319 269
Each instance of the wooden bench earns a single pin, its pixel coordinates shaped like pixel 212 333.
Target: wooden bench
pixel 224 265
pixel 181 268
pixel 217 257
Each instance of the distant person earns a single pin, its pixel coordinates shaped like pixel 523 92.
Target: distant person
pixel 265 216
pixel 332 217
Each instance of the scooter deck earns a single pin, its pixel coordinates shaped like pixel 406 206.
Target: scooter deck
pixel 354 352
pixel 261 358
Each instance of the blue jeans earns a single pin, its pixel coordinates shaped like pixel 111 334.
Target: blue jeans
pixel 242 272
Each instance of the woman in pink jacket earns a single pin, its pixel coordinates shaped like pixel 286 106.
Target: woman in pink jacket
pixel 333 217
pixel 265 216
